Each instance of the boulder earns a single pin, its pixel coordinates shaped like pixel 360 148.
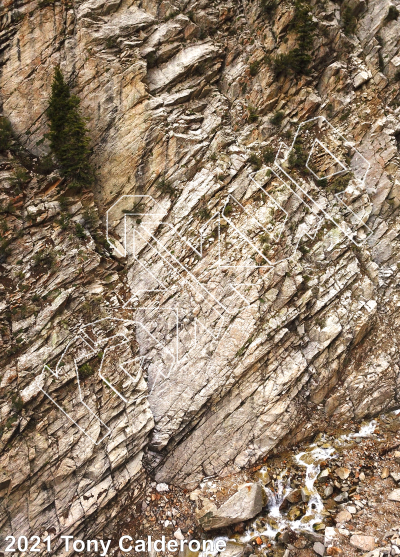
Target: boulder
pixel 394 495
pixel 395 476
pixel 365 543
pixel 328 491
pixel 385 473
pixel 233 549
pixel 343 517
pixel 319 548
pixel 294 513
pixel 361 77
pixel 294 496
pixel 343 473
pixel 243 505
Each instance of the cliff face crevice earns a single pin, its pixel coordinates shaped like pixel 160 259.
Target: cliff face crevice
pixel 246 298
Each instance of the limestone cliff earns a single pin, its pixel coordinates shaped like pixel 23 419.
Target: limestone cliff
pixel 259 299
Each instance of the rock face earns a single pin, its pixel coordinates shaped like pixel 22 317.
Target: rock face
pixel 238 311
pixel 243 505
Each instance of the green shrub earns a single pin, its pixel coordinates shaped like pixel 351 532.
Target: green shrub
pixel 8 208
pixel 90 217
pixel 204 212
pixel 298 158
pixel 303 24
pixel 282 64
pixel 255 161
pixel 166 188
pixel 6 134
pixel 265 243
pixel 64 203
pixel 12 419
pixel 295 61
pixel 75 186
pixel 227 210
pixel 17 402
pixel 345 115
pixel 4 227
pixel 85 370
pixel 298 59
pixel 349 21
pixel 171 15
pixel 252 115
pixel 277 118
pixel 268 6
pixel 268 155
pixel 45 258
pixel 340 183
pixel 111 42
pixel 45 3
pixel 79 231
pixel 393 13
pixel 254 68
pixel 20 178
pixel 5 250
pixel 68 135
pixel 45 165
pixel 63 220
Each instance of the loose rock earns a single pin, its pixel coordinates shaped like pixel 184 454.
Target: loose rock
pixel 366 543
pixel 394 495
pixel 162 488
pixel 343 473
pixel 334 551
pixel 343 517
pixel 319 548
pixel 243 505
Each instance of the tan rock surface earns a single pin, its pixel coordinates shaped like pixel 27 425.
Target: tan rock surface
pixel 171 99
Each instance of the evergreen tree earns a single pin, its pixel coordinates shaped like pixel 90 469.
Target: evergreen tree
pixel 68 135
pixel 5 134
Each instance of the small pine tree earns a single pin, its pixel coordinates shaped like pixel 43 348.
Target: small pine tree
pixel 5 134
pixel 68 135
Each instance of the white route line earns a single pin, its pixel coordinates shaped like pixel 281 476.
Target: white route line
pixel 148 222
pixel 327 215
pixel 345 169
pixel 185 269
pixel 70 418
pixel 140 197
pixel 81 336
